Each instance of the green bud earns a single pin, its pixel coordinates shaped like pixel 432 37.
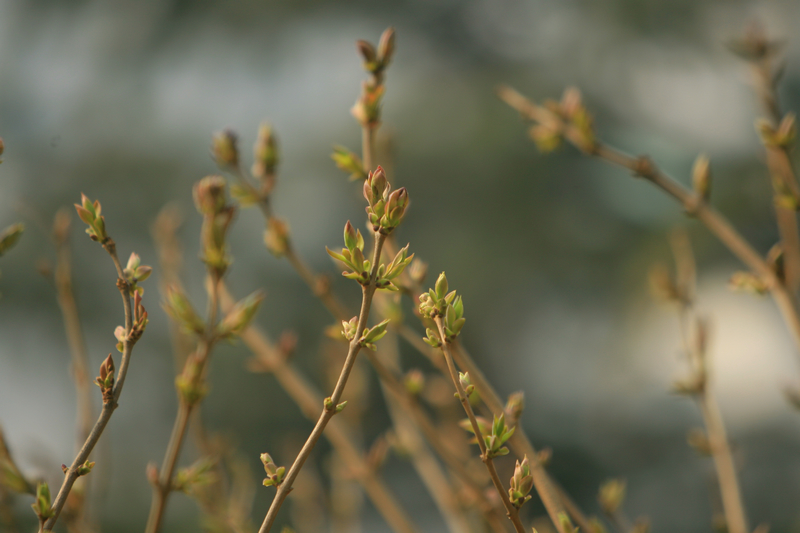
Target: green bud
pixel 224 148
pixel 276 237
pixel 90 213
pixel 349 162
pixel 106 379
pixel 350 238
pixel 611 495
pixel 240 315
pixel 349 328
pixel 521 484
pixel 10 236
pixel 274 472
pixel 85 468
pixel 414 381
pixel 41 506
pixel 209 195
pixel 441 286
pixel 178 307
pixel 373 335
pixel 265 155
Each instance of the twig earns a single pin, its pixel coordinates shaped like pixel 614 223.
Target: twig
pixel 164 486
pixel 269 359
pixel 699 387
pixel 513 513
pixel 327 413
pixel 108 406
pixel 428 429
pixel 694 205
pixel 778 160
pixel 551 498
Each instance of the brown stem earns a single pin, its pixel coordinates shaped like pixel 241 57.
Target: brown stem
pixel 368 146
pixel 513 513
pixel 108 408
pixel 268 358
pixel 428 429
pixel 732 504
pixel 781 170
pixel 366 301
pixel 522 447
pixel 162 491
pixel 710 217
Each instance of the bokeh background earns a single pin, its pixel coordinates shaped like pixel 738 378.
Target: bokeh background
pixel 119 99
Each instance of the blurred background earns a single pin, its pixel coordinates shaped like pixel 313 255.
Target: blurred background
pixel 119 99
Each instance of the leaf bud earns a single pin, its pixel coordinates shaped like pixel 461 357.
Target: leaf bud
pixel 10 236
pixel 240 315
pixel 276 237
pixel 224 148
pixel 414 381
pixel 209 195
pixel 41 506
pixel 521 484
pixel 369 56
pixel 611 495
pixel 349 162
pixel 386 47
pixel 265 155
pixel 701 177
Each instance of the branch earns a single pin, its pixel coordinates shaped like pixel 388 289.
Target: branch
pixel 695 205
pixel 110 403
pixel 513 512
pixel 329 410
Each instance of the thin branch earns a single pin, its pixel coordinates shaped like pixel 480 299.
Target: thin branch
pixel 554 502
pixel 513 512
pixel 109 406
pixel 268 358
pixel 694 205
pixel 327 413
pixel 780 166
pixel 696 350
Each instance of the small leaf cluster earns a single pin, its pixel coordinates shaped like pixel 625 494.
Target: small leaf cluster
pixel 521 484
pixel 372 335
pixel 494 437
pixel 386 207
pixel 555 118
pixel 274 472
pixel 135 272
pixel 353 255
pixel 197 475
pixel 41 506
pixel 438 302
pixel 90 213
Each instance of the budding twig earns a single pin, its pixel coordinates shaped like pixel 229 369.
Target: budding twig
pixel 97 232
pixel 695 206
pixel 368 291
